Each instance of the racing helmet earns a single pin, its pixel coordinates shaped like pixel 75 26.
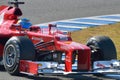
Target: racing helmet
pixel 25 23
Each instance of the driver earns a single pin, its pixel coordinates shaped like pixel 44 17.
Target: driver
pixel 25 23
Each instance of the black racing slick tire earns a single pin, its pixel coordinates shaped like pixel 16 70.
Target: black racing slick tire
pixel 16 49
pixel 102 48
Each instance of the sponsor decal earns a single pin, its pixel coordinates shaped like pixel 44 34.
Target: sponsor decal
pixel 1 18
pixel 65 47
pixel 37 38
pixel 100 65
pixel 68 42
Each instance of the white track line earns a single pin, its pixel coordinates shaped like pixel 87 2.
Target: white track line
pixel 97 18
pixel 87 23
pixel 64 26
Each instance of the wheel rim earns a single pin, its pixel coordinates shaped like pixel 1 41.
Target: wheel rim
pixel 10 56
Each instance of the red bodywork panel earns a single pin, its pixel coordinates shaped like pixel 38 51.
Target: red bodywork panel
pixel 83 55
pixel 9 16
pixel 29 67
pixel 2 7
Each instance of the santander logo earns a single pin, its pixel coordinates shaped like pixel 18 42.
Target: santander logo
pixel 1 18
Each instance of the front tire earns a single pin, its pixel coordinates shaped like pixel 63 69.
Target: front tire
pixel 16 49
pixel 102 48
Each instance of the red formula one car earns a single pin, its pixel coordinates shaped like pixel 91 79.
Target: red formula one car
pixel 36 51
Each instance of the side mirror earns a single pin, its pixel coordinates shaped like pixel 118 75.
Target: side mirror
pixel 52 28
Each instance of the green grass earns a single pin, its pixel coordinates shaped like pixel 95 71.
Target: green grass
pixel 112 31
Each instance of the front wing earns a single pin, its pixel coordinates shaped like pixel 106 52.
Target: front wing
pixel 54 68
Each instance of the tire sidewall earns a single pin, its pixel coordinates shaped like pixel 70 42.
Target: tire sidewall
pixel 14 68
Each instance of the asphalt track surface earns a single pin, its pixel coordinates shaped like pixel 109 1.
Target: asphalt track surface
pixel 42 11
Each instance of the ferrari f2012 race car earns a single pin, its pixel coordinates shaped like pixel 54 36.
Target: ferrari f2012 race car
pixel 36 50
